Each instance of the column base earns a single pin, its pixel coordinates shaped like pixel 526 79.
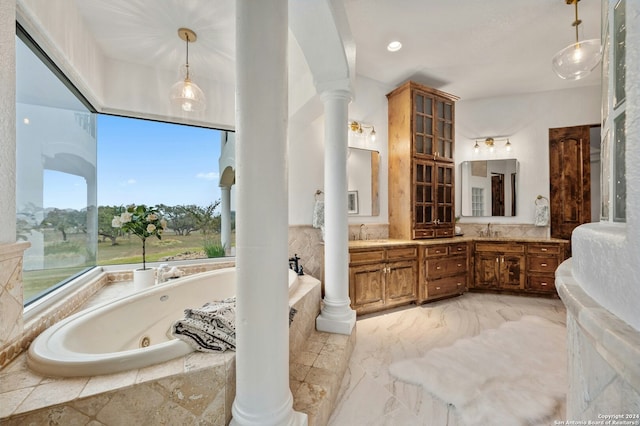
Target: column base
pixel 297 419
pixel 342 325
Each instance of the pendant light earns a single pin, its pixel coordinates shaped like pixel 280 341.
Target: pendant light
pixel 185 93
pixel 578 59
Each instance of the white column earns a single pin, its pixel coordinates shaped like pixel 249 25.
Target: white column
pixel 8 122
pixel 225 219
pixel 262 318
pixel 336 316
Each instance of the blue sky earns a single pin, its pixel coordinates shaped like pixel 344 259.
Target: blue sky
pixel 144 162
pixel 149 162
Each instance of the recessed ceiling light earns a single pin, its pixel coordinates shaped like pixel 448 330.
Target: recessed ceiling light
pixel 394 46
pixel 25 120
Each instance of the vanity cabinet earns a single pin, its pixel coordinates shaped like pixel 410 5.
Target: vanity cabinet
pixel 499 266
pixel 382 277
pixel 421 167
pixel 542 261
pixel 445 270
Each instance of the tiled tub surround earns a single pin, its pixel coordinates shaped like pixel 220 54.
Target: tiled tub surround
pixel 604 356
pixel 195 388
pixel 83 288
pixel 11 301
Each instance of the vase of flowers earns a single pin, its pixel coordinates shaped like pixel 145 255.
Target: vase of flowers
pixel 144 222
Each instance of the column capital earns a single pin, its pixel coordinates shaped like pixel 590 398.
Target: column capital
pixel 335 93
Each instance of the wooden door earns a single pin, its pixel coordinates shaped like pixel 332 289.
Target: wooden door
pixel 570 179
pixel 497 195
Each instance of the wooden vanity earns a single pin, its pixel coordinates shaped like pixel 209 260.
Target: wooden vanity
pixel 388 273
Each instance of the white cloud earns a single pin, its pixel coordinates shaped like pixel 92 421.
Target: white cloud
pixel 128 182
pixel 208 176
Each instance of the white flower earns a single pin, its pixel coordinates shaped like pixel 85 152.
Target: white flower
pixel 151 227
pixel 125 217
pixel 115 222
pixel 163 223
pixel 151 217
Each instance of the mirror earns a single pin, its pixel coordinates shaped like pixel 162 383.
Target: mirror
pixel 488 187
pixel 363 169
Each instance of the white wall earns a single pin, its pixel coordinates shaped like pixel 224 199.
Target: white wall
pixel 525 120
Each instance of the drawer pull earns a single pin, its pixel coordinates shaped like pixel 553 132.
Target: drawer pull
pixel 543 284
pixel 459 248
pixel 437 267
pixel 543 249
pixel 459 265
pixel 459 284
pixel 437 288
pixel 543 264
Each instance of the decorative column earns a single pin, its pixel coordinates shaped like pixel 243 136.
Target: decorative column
pixel 336 316
pixel 225 219
pixel 262 317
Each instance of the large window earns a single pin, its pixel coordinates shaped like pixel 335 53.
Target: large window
pixel 55 174
pixel 76 170
pixel 168 165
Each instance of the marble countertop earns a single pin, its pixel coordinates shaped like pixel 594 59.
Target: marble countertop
pixel 356 244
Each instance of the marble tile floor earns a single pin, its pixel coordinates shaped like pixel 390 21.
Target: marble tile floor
pixel 370 396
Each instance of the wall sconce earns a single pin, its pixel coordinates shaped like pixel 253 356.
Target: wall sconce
pixel 359 128
pixel 490 145
pixel 578 59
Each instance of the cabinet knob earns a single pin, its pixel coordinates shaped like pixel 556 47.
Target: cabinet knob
pixel 459 265
pixel 459 284
pixel 437 267
pixel 437 288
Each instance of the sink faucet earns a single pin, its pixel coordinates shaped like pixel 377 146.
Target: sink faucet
pixel 488 229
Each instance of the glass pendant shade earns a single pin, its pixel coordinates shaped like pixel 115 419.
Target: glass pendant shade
pixel 186 95
pixel 577 60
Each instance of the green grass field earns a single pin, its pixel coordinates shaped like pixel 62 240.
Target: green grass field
pixel 59 255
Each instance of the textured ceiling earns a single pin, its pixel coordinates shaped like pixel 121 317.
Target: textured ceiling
pixel 472 48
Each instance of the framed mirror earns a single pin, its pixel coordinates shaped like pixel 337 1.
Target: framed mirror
pixel 363 170
pixel 489 187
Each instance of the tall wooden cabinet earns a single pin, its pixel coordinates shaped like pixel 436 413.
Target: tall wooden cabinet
pixel 421 167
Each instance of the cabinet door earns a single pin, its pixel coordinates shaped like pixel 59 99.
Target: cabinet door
pixel 486 270
pixel 401 280
pixel 424 196
pixel 444 195
pixel 423 125
pixel 444 130
pixel 512 272
pixel 366 287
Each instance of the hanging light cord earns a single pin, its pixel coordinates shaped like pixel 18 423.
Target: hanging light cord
pixel 186 35
pixel 577 22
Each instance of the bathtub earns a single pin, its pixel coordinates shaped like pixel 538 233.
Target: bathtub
pixel 130 332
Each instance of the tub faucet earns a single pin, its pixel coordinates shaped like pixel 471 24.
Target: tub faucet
pixel 295 266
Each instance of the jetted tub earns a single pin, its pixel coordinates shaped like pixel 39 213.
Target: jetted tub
pixel 130 332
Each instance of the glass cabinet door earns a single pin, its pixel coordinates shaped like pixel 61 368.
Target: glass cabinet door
pixel 423 124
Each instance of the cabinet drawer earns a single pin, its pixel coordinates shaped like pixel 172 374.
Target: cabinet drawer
pixel 541 283
pixel 461 248
pixel 543 249
pixel 444 232
pixel 500 247
pixel 436 268
pixel 446 286
pixel 547 264
pixel 423 233
pixel 402 253
pixel 366 256
pixel 431 251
